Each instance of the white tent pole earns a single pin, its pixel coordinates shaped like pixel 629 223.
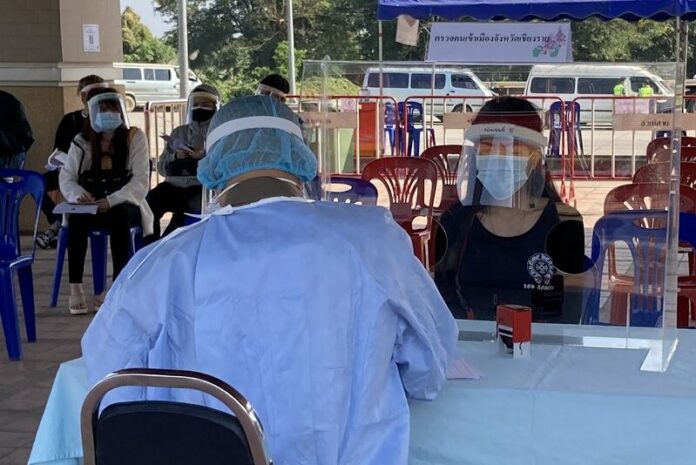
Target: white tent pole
pixel 183 49
pixel 291 45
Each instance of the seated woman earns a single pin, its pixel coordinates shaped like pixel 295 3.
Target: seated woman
pixel 108 164
pixel 181 193
pixel 496 239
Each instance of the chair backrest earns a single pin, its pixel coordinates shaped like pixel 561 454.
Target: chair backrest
pixel 359 191
pixel 665 155
pixel 170 433
pixel 647 196
pixel 661 143
pixel 412 109
pixel 661 172
pixel 389 114
pixel 410 184
pixel 446 170
pixel 14 186
pixel 645 235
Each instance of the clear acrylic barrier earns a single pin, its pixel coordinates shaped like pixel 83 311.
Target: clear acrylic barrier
pixel 623 292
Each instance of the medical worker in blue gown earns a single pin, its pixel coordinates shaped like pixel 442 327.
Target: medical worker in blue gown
pixel 317 312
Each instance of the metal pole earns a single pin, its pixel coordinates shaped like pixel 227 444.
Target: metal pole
pixel 291 46
pixel 183 50
pixel 380 57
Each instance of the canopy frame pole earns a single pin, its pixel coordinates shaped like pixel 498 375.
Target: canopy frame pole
pixel 380 110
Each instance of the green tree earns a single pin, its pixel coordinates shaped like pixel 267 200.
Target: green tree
pixel 139 45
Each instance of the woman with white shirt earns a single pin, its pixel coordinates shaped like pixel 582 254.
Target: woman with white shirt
pixel 108 164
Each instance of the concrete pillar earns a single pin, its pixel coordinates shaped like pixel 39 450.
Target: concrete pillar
pixel 42 56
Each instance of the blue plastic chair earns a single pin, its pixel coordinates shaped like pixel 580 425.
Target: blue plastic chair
pixel 98 239
pixel 647 246
pixel 15 185
pixel 361 191
pixel 573 133
pixel 390 123
pixel 411 133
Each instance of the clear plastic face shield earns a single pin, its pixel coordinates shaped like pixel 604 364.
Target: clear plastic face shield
pixel 86 89
pixel 107 112
pixel 201 106
pixel 502 165
pixel 263 89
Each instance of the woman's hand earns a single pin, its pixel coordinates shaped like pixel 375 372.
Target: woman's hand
pixel 85 198
pixel 198 154
pixel 103 205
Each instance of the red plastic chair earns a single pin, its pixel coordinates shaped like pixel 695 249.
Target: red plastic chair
pixel 665 155
pixel 447 172
pixel 643 196
pixel 410 184
pixel 661 173
pixel 661 143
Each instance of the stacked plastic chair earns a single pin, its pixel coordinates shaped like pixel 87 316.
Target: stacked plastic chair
pixel 15 186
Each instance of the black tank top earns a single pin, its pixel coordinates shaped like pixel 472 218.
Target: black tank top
pixel 496 270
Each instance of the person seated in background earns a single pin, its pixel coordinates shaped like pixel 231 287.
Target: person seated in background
pixel 70 126
pixel 181 193
pixel 108 164
pixel 317 312
pixel 274 85
pixel 15 132
pixel 496 238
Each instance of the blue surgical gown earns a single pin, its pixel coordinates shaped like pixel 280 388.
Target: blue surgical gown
pixel 318 313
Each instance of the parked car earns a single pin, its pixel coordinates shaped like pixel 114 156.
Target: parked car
pixel 401 83
pixel 573 81
pixel 146 82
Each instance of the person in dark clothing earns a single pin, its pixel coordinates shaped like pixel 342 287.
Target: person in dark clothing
pixel 70 126
pixel 274 85
pixel 181 192
pixel 15 132
pixel 496 239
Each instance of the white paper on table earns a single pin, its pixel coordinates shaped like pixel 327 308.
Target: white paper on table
pixel 76 208
pixel 56 160
pixel 460 369
pixel 176 143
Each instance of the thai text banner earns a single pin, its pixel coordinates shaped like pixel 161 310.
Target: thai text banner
pixel 500 43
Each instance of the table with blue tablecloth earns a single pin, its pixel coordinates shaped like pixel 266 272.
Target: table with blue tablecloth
pixel 563 405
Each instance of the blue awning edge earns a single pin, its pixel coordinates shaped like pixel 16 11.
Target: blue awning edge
pixel 547 10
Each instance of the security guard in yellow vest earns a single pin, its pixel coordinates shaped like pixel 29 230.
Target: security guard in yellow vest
pixel 620 88
pixel 646 90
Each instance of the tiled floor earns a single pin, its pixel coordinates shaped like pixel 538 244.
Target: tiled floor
pixel 24 386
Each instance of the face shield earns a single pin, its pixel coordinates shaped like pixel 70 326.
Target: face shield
pixel 502 165
pixel 201 106
pixel 263 89
pixel 107 112
pixel 86 89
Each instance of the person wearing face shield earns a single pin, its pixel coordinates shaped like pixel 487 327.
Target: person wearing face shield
pixel 180 193
pixel 317 312
pixel 108 165
pixel 70 126
pixel 496 239
pixel 274 85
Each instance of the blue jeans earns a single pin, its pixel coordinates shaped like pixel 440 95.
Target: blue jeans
pixel 15 161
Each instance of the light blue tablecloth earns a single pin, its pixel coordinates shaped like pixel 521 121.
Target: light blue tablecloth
pixel 565 405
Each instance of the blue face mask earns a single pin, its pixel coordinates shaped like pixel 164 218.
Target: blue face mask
pixel 107 121
pixel 502 175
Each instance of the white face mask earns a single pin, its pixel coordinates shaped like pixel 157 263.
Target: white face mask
pixel 502 175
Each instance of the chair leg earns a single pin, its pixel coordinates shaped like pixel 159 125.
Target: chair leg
pixel 619 308
pixel 60 259
pixel 26 286
pixel 98 243
pixel 8 314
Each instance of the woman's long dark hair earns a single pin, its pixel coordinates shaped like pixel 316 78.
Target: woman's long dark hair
pixel 119 142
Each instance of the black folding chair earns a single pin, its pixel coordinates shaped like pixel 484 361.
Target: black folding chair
pixel 170 433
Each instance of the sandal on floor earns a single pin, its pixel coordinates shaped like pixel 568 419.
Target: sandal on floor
pixel 98 301
pixel 77 304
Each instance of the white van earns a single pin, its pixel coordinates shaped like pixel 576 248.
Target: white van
pixel 574 81
pixel 145 82
pixel 401 83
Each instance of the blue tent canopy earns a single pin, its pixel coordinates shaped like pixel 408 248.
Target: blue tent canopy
pixel 548 10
